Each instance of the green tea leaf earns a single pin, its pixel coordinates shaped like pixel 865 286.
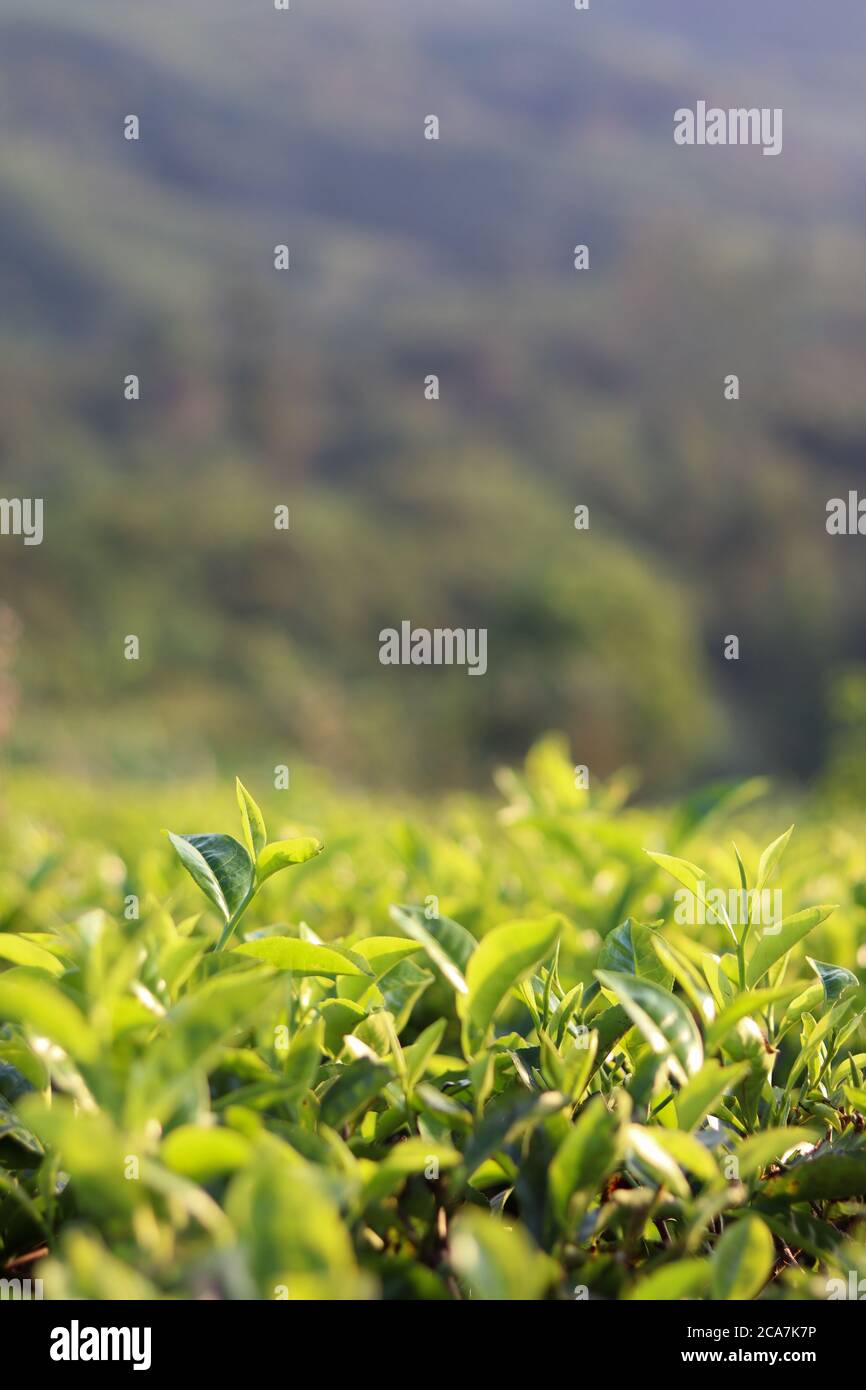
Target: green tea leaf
pixel 645 1145
pixel 505 955
pixel 283 854
pixel 682 1279
pixel 828 1177
pixel 13 1131
pixel 401 987
pixel 189 1040
pixel 202 1155
pixel 508 1118
pixel 687 1151
pixel 579 1062
pixel 629 950
pixel 20 951
pixel 590 1151
pixel 253 821
pixel 404 1160
pixel 704 1090
pixel 664 1021
pixel 230 864
pixel 302 957
pixel 496 1263
pixel 383 952
pixel 750 1002
pixel 689 875
pixel 799 1229
pixel 341 1016
pixel 448 945
pixel 742 1260
pixel 755 1153
pixel 676 964
pixel 610 1025
pixel 355 1089
pixel 220 866
pixel 302 1060
pixel 44 1010
pixel 813 1039
pixel 776 942
pixel 424 1047
pixel 92 1152
pixel 293 1234
pixel 771 857
pixel 716 973
pixel 835 979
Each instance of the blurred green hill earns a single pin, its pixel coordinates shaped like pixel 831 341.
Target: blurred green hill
pixel 409 258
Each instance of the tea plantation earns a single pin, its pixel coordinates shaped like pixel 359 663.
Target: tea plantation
pixel 338 1048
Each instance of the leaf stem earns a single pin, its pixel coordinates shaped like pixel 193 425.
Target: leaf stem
pixel 741 959
pixel 229 927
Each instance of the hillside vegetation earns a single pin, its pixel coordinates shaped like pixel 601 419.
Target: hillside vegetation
pixel 408 257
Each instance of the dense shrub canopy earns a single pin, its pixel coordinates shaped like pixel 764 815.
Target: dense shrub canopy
pixel 451 1056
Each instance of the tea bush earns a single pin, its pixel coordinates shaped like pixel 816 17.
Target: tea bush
pixel 459 1053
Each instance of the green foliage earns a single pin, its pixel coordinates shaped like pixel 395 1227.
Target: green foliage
pixel 518 1089
pixel 253 387
pixel 742 1260
pixel 228 875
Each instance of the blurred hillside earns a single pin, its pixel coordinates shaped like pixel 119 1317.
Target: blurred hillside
pixel 409 258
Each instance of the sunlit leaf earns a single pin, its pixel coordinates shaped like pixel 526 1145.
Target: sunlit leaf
pixel 220 866
pixel 255 834
pixel 629 950
pixel 448 945
pixel 778 939
pixel 590 1151
pixel 284 854
pixel 742 1260
pixel 505 955
pixel 664 1021
pixel 495 1262
pixel 302 957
